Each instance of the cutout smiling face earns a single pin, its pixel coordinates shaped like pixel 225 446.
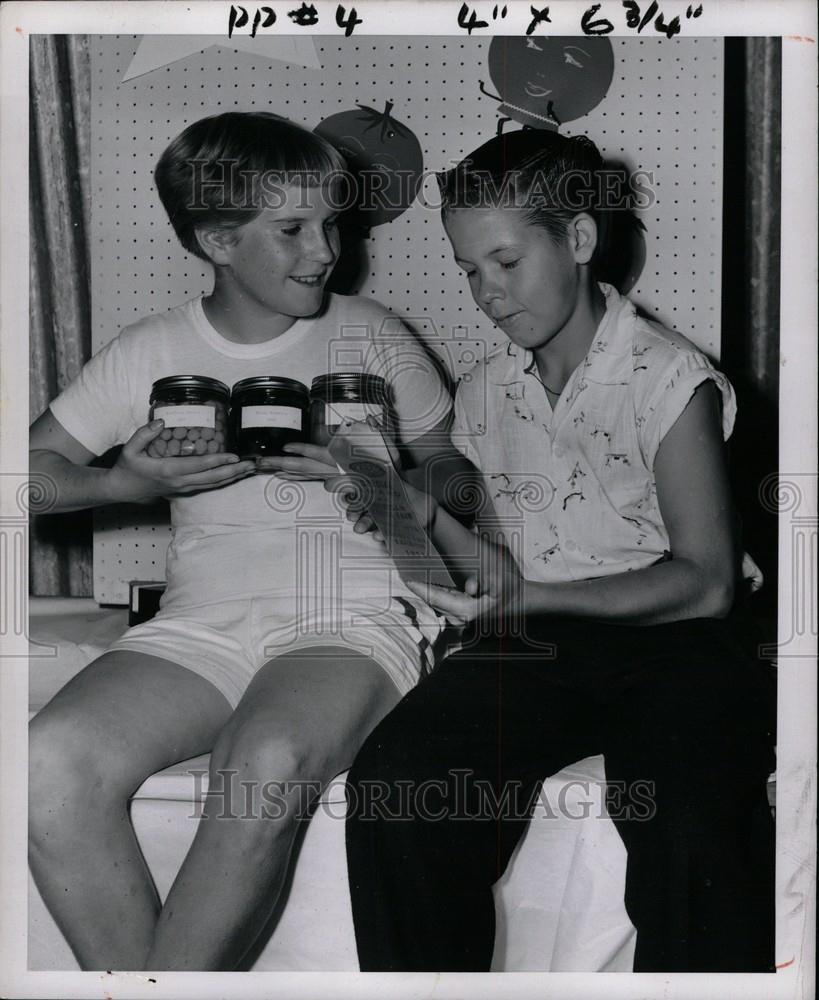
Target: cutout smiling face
pixel 544 82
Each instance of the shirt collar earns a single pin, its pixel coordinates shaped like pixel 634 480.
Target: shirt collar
pixel 609 360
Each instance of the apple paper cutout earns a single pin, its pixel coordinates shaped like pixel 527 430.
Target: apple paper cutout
pixel 384 156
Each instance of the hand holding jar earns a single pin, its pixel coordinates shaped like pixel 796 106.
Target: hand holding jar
pixel 194 410
pixel 335 398
pixel 140 477
pixel 300 462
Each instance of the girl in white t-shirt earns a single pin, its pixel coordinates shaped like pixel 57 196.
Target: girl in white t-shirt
pixel 283 636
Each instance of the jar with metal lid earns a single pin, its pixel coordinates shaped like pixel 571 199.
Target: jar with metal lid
pixel 195 411
pixel 341 396
pixel 268 412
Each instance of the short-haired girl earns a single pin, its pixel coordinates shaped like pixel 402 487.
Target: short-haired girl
pixel 269 651
pixel 599 436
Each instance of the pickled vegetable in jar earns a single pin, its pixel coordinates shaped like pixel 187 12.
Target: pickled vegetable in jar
pixel 268 412
pixel 342 396
pixel 195 411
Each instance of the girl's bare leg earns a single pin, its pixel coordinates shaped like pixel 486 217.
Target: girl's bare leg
pixel 302 720
pixel 121 719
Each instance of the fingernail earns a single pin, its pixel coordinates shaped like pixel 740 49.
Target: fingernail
pixel 156 424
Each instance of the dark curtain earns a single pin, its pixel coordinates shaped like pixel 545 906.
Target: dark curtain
pixel 60 297
pixel 750 315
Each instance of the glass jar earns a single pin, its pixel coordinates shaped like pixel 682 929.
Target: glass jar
pixel 195 411
pixel 342 396
pixel 267 413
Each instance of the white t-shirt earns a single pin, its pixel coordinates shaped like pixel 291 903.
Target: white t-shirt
pixel 574 488
pixel 262 535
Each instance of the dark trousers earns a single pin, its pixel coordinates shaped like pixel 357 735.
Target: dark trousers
pixel 441 792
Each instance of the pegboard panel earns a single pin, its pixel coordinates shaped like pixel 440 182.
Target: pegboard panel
pixel 662 114
pixel 130 542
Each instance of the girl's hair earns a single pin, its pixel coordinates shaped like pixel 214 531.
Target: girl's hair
pixel 221 171
pixel 551 177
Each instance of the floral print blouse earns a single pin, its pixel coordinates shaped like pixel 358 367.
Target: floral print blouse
pixel 573 488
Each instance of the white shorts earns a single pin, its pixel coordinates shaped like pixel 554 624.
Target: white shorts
pixel 227 643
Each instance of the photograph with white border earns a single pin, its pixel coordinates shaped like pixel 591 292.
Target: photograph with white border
pixel 703 237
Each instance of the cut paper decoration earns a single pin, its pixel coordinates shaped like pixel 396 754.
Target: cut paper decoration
pixel 384 156
pixel 155 51
pixel 544 82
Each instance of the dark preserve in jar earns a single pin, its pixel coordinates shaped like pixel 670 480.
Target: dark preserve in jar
pixel 268 412
pixel 195 411
pixel 342 396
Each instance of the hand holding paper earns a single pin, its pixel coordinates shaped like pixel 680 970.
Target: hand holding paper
pixel 458 607
pixel 401 513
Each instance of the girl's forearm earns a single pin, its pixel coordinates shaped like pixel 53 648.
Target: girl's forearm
pixel 457 545
pixel 74 487
pixel 453 481
pixel 665 592
pixel 669 591
pixel 482 554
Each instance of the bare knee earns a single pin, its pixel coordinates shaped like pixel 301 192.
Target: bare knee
pixel 266 774
pixel 254 749
pixel 73 777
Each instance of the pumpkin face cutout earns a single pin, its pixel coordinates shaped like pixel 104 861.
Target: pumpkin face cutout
pixel 384 156
pixel 544 82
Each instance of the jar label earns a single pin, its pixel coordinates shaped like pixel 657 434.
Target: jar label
pixel 186 415
pixel 272 416
pixel 337 413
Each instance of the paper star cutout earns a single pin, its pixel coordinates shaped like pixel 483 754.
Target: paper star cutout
pixel 155 51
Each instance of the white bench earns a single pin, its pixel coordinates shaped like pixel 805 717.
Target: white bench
pixel 559 905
